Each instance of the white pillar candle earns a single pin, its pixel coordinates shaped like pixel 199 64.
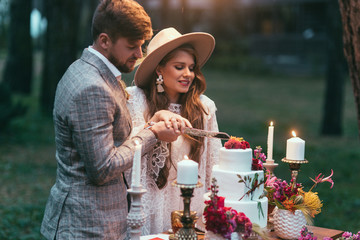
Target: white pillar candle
pixel 136 172
pixel 187 172
pixel 295 148
pixel 270 141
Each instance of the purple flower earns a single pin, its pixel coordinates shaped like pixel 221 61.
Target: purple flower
pixel 356 236
pixel 347 234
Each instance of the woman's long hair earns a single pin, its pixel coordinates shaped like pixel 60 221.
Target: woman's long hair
pixel 191 108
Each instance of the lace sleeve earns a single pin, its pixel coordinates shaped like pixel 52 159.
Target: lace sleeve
pixel 151 164
pixel 137 107
pixel 208 158
pixel 212 146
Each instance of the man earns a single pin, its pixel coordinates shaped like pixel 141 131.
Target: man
pixel 92 125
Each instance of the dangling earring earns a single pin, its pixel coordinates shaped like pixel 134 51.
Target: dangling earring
pixel 159 82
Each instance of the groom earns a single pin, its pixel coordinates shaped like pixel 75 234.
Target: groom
pixel 92 125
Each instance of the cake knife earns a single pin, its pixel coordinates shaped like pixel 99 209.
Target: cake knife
pixel 204 133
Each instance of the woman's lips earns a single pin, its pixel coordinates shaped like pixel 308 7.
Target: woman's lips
pixel 184 83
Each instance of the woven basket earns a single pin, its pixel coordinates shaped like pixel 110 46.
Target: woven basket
pixel 288 225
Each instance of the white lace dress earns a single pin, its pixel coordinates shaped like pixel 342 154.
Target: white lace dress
pixel 158 204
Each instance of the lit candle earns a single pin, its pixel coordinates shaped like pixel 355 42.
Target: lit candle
pixel 187 171
pixel 270 141
pixel 136 165
pixel 295 148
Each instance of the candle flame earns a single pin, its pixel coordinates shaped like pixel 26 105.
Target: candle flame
pixel 186 157
pixel 271 123
pixel 136 142
pixel 294 133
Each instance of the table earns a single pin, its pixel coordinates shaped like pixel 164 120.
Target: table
pixel 319 232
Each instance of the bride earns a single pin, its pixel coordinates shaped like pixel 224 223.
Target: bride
pixel 169 78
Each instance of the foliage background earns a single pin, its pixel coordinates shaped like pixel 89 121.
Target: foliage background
pixel 248 95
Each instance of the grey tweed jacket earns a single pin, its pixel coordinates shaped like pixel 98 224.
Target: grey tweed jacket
pixel 92 126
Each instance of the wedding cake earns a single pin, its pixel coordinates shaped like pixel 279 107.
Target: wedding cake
pixel 241 186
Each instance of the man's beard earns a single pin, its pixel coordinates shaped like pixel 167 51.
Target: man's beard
pixel 120 66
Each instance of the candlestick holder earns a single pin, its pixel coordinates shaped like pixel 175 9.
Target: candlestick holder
pixel 270 165
pixel 187 232
pixel 136 216
pixel 294 166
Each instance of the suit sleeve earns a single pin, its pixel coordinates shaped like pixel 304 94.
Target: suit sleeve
pixel 93 116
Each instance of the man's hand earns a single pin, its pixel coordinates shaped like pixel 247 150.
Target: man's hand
pixel 172 120
pixel 163 133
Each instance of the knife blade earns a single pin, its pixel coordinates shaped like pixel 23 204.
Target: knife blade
pixel 203 133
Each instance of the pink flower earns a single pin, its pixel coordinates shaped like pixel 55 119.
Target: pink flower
pixel 320 179
pixel 270 181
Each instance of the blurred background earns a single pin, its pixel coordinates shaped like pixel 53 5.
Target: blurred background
pixel 275 60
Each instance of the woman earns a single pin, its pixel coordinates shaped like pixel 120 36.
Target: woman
pixel 169 78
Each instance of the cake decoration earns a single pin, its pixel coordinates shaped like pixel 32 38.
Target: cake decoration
pixel 258 159
pixel 236 143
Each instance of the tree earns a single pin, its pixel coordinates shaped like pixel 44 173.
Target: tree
pixel 19 62
pixel 61 47
pixel 335 74
pixel 351 24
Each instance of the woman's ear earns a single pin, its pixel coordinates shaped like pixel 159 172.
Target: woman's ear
pixel 158 70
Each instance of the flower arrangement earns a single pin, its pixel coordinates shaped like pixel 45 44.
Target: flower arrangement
pixel 293 196
pixel 225 220
pixel 307 235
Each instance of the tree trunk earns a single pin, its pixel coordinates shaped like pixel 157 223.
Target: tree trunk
pixel 19 63
pixel 60 47
pixel 351 24
pixel 334 94
pixel 185 17
pixel 164 10
pixel 87 10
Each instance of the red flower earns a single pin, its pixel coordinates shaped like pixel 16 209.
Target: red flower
pixel 236 143
pixel 224 220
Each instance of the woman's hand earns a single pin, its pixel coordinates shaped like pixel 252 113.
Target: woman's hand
pixel 171 120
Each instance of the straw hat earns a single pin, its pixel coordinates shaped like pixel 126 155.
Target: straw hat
pixel 164 42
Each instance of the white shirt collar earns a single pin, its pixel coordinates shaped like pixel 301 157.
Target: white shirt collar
pixel 111 66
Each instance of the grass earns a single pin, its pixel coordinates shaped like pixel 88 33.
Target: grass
pixel 246 104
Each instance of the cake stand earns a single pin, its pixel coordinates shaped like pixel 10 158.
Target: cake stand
pixel 187 232
pixel 294 166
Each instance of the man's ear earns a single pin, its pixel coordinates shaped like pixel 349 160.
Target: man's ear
pixel 104 41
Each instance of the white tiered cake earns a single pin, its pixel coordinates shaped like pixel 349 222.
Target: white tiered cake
pixel 241 187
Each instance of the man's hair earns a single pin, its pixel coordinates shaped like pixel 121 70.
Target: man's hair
pixel 121 18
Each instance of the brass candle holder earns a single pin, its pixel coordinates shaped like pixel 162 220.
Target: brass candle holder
pixel 187 232
pixel 294 166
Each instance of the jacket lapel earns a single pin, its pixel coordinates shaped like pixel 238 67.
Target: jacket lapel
pixel 110 80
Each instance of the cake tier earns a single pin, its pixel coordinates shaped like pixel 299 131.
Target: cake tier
pixel 235 159
pixel 232 189
pixel 256 211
